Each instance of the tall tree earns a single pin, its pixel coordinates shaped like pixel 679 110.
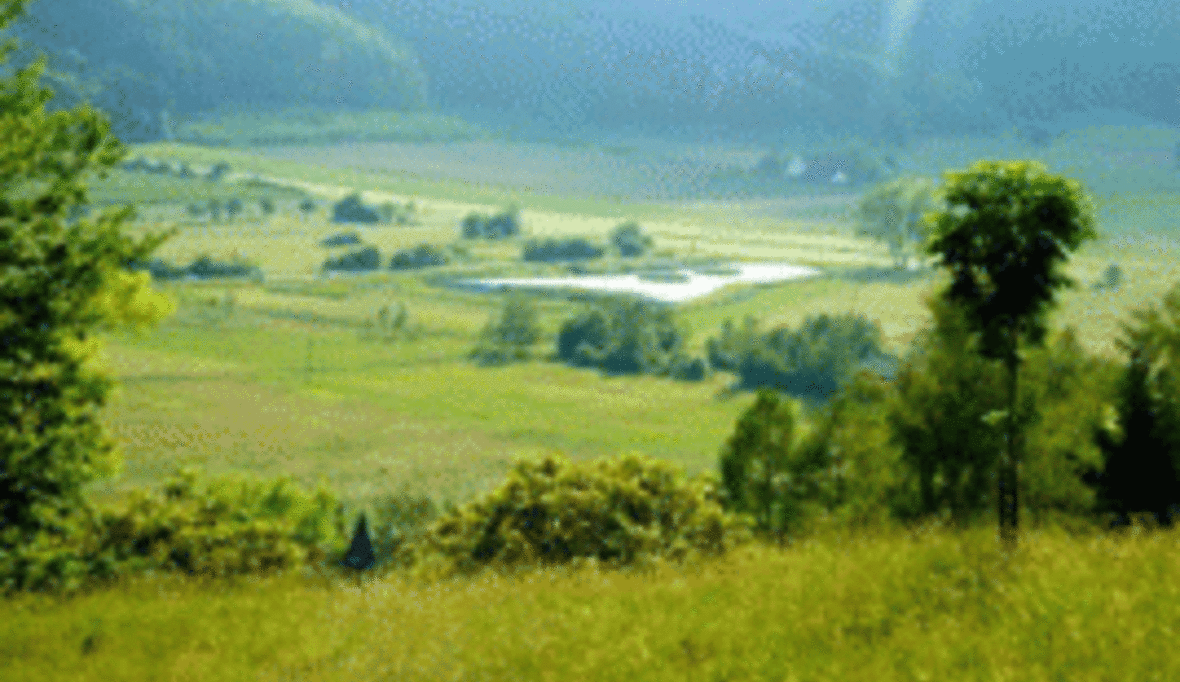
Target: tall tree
pixel 1004 235
pixel 62 276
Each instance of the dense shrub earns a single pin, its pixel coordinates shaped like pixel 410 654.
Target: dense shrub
pixel 232 526
pixel 552 250
pixel 479 226
pixel 342 239
pixel 510 335
pixel 618 511
pixel 627 336
pixel 368 258
pixel 266 205
pixel 306 206
pixel 630 240
pixel 352 209
pixel 811 361
pixel 421 256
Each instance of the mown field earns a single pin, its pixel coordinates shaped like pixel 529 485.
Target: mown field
pixel 281 377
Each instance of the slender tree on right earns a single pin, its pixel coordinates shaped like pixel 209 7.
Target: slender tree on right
pixel 1005 233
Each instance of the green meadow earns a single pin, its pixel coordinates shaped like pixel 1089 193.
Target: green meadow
pixel 284 376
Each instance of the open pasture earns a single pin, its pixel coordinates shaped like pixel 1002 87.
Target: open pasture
pixel 427 419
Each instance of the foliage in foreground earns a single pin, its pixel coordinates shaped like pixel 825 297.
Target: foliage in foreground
pixel 61 279
pixel 233 526
pixel 617 511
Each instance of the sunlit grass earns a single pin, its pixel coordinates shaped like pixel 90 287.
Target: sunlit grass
pixel 887 605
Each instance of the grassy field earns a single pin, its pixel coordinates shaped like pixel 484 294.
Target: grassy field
pixel 279 377
pixel 926 606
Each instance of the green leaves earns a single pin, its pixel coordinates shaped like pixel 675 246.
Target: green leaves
pixel 894 213
pixel 1005 233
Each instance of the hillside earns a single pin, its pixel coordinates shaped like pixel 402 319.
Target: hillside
pixel 138 60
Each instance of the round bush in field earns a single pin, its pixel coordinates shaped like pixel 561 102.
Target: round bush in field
pixel 618 511
pixel 368 258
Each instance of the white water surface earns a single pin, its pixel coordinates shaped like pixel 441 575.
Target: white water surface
pixel 694 284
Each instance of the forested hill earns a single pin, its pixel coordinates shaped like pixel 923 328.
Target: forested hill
pixel 139 58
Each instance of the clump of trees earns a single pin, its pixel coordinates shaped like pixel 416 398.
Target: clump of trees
pixel 398 214
pixel 509 335
pixel 1141 448
pixel 421 256
pixel 555 250
pixel 352 209
pixel 501 226
pixel 894 212
pixel 630 240
pixel 629 336
pixel 367 258
pixel 201 267
pixel 814 360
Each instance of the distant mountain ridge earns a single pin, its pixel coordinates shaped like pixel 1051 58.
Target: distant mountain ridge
pixel 138 59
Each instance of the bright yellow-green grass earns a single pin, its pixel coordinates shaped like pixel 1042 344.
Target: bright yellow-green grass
pixel 927 606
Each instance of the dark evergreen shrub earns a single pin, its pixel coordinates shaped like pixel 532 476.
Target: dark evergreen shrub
pixel 218 171
pixel 307 205
pixel 351 209
pixel 619 511
pixel 421 256
pixel 266 205
pixel 554 250
pixel 368 258
pixel 581 335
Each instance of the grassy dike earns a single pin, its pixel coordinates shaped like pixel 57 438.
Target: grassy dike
pixel 934 605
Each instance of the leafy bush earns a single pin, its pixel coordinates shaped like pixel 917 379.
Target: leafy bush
pixel 551 250
pixel 815 360
pixel 389 325
pixel 368 258
pixel 218 171
pixel 266 205
pixel 510 335
pixel 342 239
pixel 630 240
pixel 624 337
pixel 479 226
pixel 421 256
pixel 234 526
pixel 307 206
pixel 618 511
pixel 352 209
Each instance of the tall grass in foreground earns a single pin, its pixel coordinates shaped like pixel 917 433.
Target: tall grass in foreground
pixel 934 605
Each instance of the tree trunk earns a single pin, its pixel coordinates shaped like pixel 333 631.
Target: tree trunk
pixel 1008 480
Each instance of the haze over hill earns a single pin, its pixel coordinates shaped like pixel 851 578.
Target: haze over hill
pixel 883 69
